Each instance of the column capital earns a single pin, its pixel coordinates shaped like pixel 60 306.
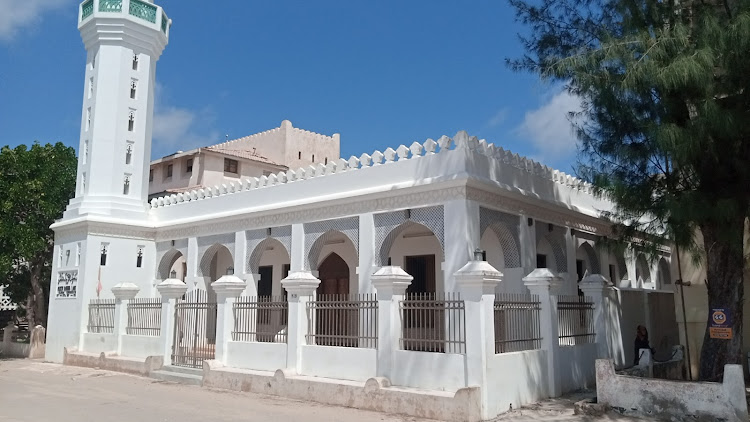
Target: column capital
pixel 391 280
pixel 125 291
pixel 171 288
pixel 300 283
pixel 542 278
pixel 228 286
pixel 478 277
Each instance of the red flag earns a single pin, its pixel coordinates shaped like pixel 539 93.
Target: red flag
pixel 99 284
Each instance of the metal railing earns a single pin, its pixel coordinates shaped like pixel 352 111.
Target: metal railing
pixel 144 317
pixel 343 320
pixel 194 329
pixel 433 322
pixel 575 320
pixel 517 325
pixel 101 316
pixel 261 319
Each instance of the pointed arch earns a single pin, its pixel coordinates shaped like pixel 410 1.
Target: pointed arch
pixel 167 261
pixel 665 274
pixel 204 269
pixel 317 246
pixel 390 239
pixel 257 253
pixel 556 241
pixel 505 227
pixel 594 267
pixel 642 272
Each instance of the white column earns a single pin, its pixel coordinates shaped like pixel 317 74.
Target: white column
pixel 366 265
pixel 594 286
pixel 124 293
pixel 390 284
pixel 527 239
pixel 169 289
pixel 630 257
pixel 227 289
pixel 192 261
pixel 240 253
pixel 477 282
pixel 462 237
pixel 570 286
pixel 300 286
pixel 297 252
pixel 539 282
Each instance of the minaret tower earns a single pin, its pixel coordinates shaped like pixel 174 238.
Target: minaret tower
pixel 123 39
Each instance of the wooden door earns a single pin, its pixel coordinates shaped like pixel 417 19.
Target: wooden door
pixel 332 322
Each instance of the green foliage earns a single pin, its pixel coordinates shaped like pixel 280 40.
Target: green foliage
pixel 35 186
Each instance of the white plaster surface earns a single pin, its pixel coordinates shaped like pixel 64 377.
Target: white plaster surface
pixel 140 346
pixel 99 342
pixel 259 356
pixel 516 378
pixel 577 366
pixel 345 363
pixel 420 369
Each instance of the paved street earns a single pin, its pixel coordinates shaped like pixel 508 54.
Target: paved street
pixel 32 391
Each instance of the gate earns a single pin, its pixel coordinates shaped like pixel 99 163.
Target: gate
pixel 194 330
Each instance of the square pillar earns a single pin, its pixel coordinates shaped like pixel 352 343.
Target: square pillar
pixel 539 283
pixel 527 239
pixel 297 250
pixel 595 286
pixel 227 289
pixel 366 264
pixel 300 286
pixel 462 237
pixel 477 281
pixel 170 290
pixel 390 285
pixel 124 293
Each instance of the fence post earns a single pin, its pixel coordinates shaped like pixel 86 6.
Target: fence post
pixel 539 282
pixel 300 286
pixel 227 289
pixel 593 286
pixel 169 289
pixel 390 284
pixel 124 293
pixel 476 281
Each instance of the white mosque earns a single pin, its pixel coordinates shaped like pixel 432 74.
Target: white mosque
pixel 349 276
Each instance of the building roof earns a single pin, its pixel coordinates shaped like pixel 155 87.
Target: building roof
pixel 242 153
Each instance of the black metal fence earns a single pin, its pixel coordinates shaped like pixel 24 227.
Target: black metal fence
pixel 101 316
pixel 575 320
pixel 433 322
pixel 343 320
pixel 194 330
pixel 517 325
pixel 261 319
pixel 144 317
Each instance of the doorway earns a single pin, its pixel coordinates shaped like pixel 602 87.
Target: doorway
pixel 333 327
pixel 423 312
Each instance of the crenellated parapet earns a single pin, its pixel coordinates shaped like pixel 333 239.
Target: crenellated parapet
pixel 390 156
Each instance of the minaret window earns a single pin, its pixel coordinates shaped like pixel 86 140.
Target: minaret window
pixel 135 62
pixel 91 87
pixel 128 153
pixel 78 254
pixel 131 121
pixel 132 90
pixel 299 155
pixel 103 254
pixel 85 155
pixel 60 257
pixel 126 186
pixel 326 160
pixel 83 183
pixel 88 118
pixel 139 257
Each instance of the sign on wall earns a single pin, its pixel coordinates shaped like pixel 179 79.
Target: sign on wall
pixel 67 284
pixel 721 324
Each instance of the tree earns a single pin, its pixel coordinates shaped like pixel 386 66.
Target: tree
pixel 35 186
pixel 665 124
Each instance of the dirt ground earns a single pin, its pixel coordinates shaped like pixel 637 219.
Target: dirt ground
pixel 33 391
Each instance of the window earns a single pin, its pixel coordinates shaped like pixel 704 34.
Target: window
pixel 326 160
pixel 85 155
pixel 83 183
pixel 126 185
pixel 103 254
pixel 169 170
pixel 60 257
pixel 139 257
pixel 135 62
pixel 189 166
pixel 78 254
pixel 129 153
pixel 230 166
pixel 93 62
pixel 299 155
pixel 91 87
pixel 541 261
pixel 132 90
pixel 88 118
pixel 150 175
pixel 313 159
pixel 612 273
pixel 131 121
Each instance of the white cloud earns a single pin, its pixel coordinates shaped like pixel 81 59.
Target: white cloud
pixel 19 14
pixel 179 128
pixel 498 118
pixel 549 129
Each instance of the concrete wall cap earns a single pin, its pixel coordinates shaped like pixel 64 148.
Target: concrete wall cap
pixel 595 280
pixel 125 291
pixel 228 284
pixel 542 277
pixel 390 273
pixel 479 269
pixel 172 287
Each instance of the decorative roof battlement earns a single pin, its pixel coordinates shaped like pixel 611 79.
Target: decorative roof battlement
pixel 444 145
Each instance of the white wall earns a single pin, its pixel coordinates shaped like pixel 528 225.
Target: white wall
pixel 431 371
pixel 99 342
pixel 256 355
pixel 577 366
pixel 141 346
pixel 516 379
pixel 345 363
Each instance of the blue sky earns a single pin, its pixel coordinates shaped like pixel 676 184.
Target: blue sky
pixel 381 73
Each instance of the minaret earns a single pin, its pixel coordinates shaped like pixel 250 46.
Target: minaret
pixel 123 39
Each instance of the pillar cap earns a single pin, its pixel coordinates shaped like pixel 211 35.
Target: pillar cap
pixel 391 280
pixel 172 288
pixel 300 283
pixel 542 277
pixel 594 282
pixel 391 272
pixel 125 291
pixel 228 285
pixel 479 277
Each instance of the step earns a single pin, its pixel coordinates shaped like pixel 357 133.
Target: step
pixel 177 377
pixel 182 370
